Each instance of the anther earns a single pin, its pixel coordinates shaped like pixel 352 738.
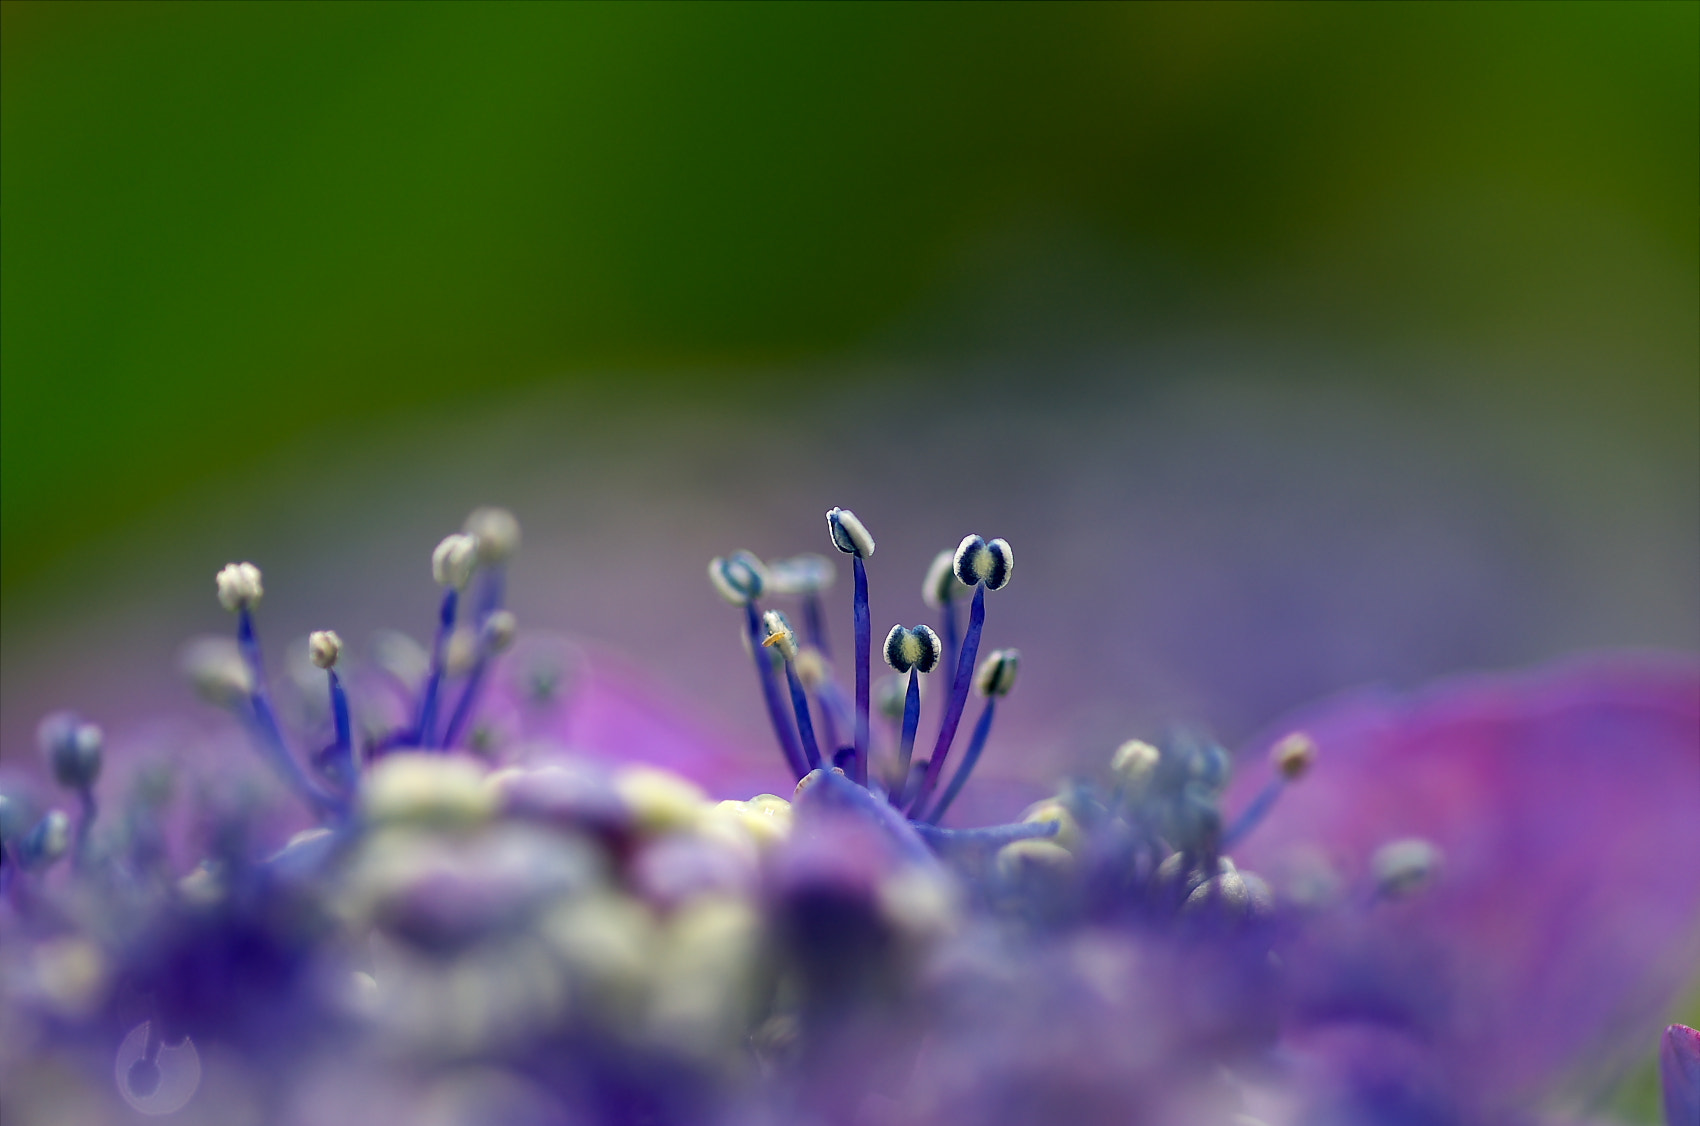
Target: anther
pixel 1134 764
pixel 72 749
pixel 996 675
pixel 239 586
pixel 918 648
pixel 848 534
pixel 779 634
pixel 499 631
pixel 739 578
pixel 454 560
pixel 1293 755
pixel 941 584
pixel 496 531
pixel 1404 866
pixel 803 574
pixel 982 561
pixel 325 647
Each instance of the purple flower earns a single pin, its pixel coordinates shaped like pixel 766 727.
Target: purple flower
pixel 1679 1066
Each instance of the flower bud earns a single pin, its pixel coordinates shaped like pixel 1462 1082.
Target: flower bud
pixel 239 586
pixel 454 560
pixel 324 646
pixel 996 674
pixel 497 533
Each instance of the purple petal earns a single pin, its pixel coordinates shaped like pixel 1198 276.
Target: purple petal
pixel 1566 805
pixel 1679 1068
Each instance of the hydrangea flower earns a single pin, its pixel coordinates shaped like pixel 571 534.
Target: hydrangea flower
pixel 498 878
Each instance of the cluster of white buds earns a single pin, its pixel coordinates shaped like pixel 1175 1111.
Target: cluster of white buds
pixel 454 560
pixel 917 648
pixel 239 586
pixel 848 534
pixel 996 674
pixel 983 561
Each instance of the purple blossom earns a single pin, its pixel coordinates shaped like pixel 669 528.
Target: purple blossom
pixel 489 879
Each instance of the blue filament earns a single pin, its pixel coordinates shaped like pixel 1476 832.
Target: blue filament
pixel 975 745
pixel 991 836
pixel 263 720
pixel 958 697
pixel 864 641
pixel 1253 814
pixel 911 720
pixel 805 727
pixel 422 730
pixel 770 691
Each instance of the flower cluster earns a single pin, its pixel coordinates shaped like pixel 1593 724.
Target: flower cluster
pixel 483 880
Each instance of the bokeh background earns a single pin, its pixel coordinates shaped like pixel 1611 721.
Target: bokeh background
pixel 1293 347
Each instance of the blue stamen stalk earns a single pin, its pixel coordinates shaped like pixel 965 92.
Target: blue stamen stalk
pixel 422 730
pixel 770 692
pixel 805 727
pixel 264 720
pixel 1253 814
pixel 958 697
pixel 344 729
pixel 911 721
pixel 84 827
pixel 864 642
pixel 991 836
pixel 814 623
pixel 975 745
pixel 468 698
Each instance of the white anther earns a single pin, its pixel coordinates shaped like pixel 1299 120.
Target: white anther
pixel 454 560
pixel 499 630
pixel 239 586
pixel 780 635
pixel 324 646
pixel 1293 755
pixel 983 561
pixel 1404 866
pixel 996 674
pixel 1133 765
pixel 801 574
pixel 739 577
pixel 848 534
pixel 214 666
pixel 497 533
pixel 941 583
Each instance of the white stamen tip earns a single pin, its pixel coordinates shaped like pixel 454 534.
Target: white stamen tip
pixel 983 561
pixel 848 534
pixel 324 646
pixel 1405 866
pixel 780 635
pixel 499 631
pixel 454 560
pixel 239 586
pixel 1134 764
pixel 996 674
pixel 941 583
pixel 1293 755
pixel 739 577
pixel 801 574
pixel 497 533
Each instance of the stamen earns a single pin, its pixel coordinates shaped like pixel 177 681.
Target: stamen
pixel 938 592
pixel 1292 758
pixel 498 535
pixel 740 579
pixel 73 750
pixel 239 589
pixel 452 564
pixel 1404 867
pixel 1134 765
pixel 913 651
pixel 995 678
pixel 850 537
pixel 783 640
pixel 981 565
pixel 494 638
pixel 325 648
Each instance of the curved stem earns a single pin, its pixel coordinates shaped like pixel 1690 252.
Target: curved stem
pixel 958 697
pixel 422 730
pixel 864 640
pixel 969 758
pixel 805 726
pixel 263 719
pixel 770 692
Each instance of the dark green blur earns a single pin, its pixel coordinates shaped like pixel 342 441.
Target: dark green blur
pixel 224 225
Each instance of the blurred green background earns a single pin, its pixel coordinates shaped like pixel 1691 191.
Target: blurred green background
pixel 225 226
